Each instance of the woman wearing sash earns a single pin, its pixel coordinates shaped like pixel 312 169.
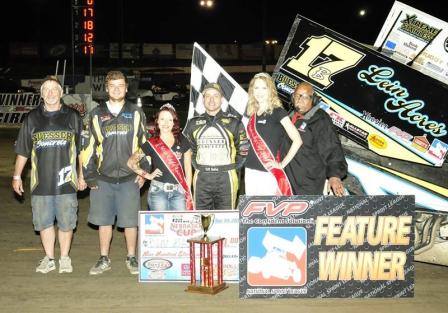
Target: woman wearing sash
pixel 170 156
pixel 268 125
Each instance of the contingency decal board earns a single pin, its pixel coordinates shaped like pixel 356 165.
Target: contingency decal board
pixel 164 253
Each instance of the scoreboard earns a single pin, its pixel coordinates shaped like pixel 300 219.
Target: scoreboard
pixel 84 26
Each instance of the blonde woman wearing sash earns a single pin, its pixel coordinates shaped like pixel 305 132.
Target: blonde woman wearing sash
pixel 170 155
pixel 268 124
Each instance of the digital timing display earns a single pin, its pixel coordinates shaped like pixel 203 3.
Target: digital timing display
pixel 84 26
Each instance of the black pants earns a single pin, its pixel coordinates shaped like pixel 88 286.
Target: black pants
pixel 215 190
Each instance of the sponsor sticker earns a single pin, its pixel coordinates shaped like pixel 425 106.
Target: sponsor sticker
pixel 377 141
pixel 157 264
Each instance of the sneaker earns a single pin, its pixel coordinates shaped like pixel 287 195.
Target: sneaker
pixel 132 264
pixel 46 265
pixel 102 265
pixel 65 265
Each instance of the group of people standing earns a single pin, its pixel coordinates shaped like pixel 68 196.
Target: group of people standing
pixel 283 154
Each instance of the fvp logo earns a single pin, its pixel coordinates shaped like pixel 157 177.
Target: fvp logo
pixel 270 208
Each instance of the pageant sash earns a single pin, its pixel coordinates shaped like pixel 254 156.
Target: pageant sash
pixel 265 155
pixel 173 165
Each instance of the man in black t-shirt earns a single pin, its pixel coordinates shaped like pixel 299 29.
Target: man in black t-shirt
pixel 50 135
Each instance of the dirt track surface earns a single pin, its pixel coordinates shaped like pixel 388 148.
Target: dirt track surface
pixel 23 290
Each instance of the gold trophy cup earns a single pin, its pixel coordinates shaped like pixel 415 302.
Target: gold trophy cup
pixel 206 223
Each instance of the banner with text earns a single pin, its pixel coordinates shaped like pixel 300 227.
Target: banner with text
pixel 15 106
pixel 408 32
pixel 323 246
pixel 164 253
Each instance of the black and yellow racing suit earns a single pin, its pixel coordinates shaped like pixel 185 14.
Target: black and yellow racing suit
pixel 219 144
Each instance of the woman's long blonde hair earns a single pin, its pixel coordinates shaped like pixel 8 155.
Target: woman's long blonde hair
pixel 273 100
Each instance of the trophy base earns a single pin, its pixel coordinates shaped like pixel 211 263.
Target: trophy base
pixel 207 290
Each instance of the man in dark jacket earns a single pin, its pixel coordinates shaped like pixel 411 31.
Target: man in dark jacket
pixel 321 157
pixel 116 132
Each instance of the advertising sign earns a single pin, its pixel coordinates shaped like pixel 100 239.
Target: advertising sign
pixel 14 107
pixel 409 34
pixel 164 251
pixel 320 247
pixel 377 102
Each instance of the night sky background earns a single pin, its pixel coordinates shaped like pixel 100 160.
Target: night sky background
pixel 184 21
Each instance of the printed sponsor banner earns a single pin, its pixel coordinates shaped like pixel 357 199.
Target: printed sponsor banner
pixel 408 32
pixel 379 103
pixel 326 247
pixel 164 253
pixel 14 107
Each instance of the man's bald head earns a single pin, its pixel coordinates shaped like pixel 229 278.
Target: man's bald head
pixel 303 97
pixel 305 86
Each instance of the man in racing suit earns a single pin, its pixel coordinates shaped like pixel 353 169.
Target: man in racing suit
pixel 219 145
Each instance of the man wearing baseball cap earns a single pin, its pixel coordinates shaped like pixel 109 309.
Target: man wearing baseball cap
pixel 219 145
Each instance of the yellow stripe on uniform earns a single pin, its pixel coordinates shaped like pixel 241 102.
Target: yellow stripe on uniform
pixel 135 139
pixel 34 174
pixel 195 178
pixel 233 179
pixel 87 152
pixel 99 135
pixel 232 147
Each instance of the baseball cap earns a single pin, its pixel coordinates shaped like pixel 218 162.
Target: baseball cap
pixel 212 86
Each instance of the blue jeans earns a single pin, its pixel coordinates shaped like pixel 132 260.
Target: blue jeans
pixel 161 200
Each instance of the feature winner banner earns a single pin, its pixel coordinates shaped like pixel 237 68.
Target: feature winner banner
pixel 164 251
pixel 377 102
pixel 316 246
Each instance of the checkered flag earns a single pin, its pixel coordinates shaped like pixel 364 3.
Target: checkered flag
pixel 204 70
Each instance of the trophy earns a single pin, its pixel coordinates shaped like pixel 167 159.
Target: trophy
pixel 206 223
pixel 210 269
